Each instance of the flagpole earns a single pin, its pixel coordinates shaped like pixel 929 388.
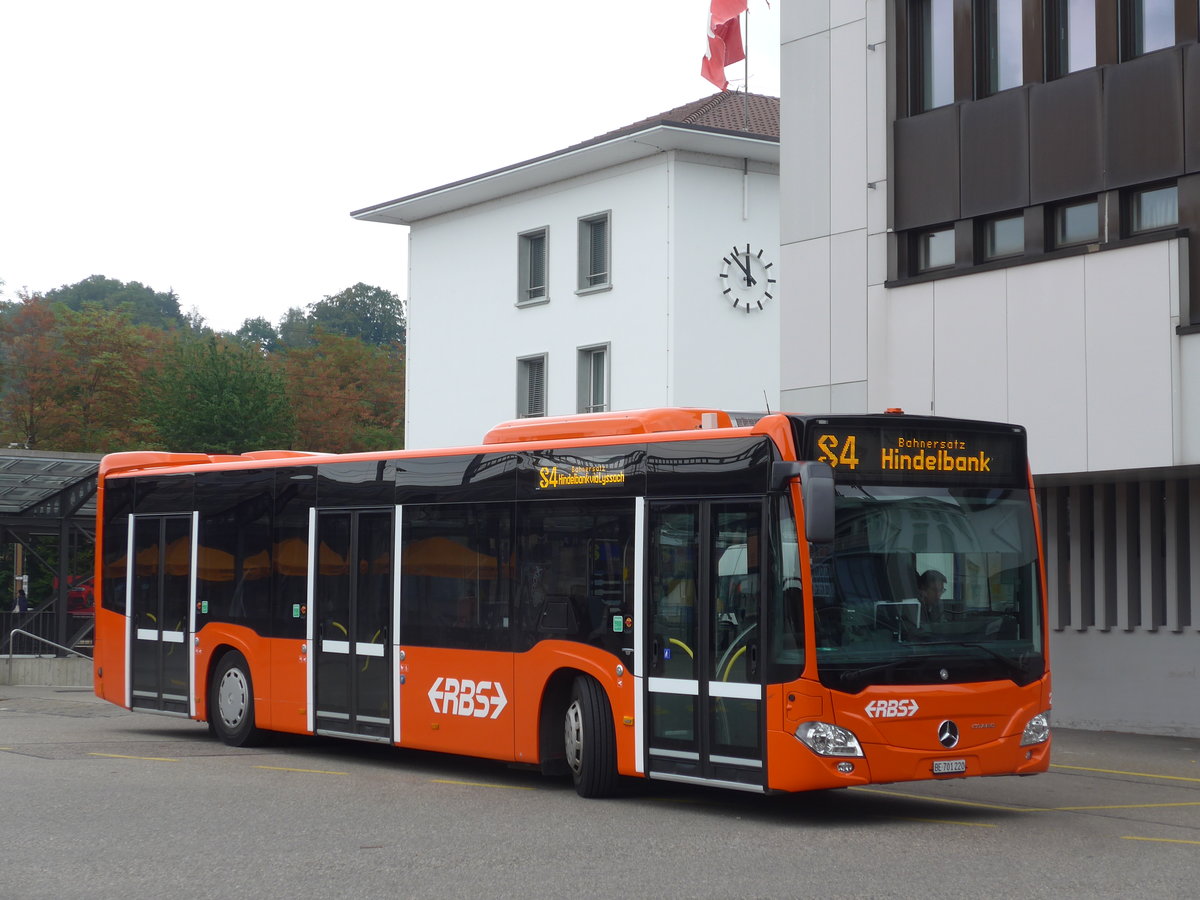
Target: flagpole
pixel 746 73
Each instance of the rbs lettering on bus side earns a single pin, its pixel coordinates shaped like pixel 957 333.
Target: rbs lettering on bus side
pixel 463 697
pixel 891 709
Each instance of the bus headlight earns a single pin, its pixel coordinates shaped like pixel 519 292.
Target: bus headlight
pixel 825 739
pixel 1037 731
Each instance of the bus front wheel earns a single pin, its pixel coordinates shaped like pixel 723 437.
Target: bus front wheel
pixel 231 702
pixel 588 740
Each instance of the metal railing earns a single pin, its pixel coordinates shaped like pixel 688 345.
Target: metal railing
pixel 42 625
pixel 37 637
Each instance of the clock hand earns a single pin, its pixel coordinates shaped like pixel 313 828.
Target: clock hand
pixel 737 258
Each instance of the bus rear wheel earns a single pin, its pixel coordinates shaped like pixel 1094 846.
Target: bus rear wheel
pixel 588 740
pixel 231 702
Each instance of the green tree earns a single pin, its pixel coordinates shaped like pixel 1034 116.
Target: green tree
pixel 217 396
pixel 371 314
pixel 258 332
pixel 146 305
pixel 295 330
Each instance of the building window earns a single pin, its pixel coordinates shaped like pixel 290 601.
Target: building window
pixel 531 386
pixel 593 379
pixel 1146 25
pixel 932 53
pixel 594 252
pixel 1077 223
pixel 1153 208
pixel 1070 36
pixel 532 264
pixel 1004 236
pixel 934 249
pixel 998 46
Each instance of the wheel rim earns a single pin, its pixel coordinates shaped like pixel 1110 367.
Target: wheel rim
pixel 233 697
pixel 573 737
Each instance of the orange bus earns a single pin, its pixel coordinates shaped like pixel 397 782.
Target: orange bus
pixel 763 602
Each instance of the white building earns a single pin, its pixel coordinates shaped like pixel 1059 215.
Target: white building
pixel 987 211
pixel 600 276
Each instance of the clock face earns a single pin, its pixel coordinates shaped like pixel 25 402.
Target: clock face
pixel 746 279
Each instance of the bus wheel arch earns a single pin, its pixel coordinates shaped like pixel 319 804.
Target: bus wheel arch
pixel 231 700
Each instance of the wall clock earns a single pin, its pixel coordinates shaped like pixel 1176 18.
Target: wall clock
pixel 746 280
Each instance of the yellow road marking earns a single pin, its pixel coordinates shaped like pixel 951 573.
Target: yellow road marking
pixel 510 787
pixel 1121 806
pixel 1134 774
pixel 1130 837
pixel 976 804
pixel 123 756
pixel 943 822
pixel 949 800
pixel 308 771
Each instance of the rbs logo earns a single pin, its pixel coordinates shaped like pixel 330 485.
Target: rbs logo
pixel 891 709
pixel 463 697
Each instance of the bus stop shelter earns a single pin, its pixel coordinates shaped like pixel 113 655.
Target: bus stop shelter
pixel 47 532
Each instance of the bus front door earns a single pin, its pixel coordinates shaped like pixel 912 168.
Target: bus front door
pixel 352 609
pixel 160 603
pixel 703 704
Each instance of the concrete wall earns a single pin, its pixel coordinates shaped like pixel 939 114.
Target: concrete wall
pixel 1142 682
pixel 1051 346
pixel 49 672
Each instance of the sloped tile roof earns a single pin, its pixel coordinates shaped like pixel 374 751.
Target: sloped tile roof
pixel 755 114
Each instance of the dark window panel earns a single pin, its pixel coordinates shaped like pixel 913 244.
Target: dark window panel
pixel 1191 112
pixel 926 169
pixel 995 154
pixel 366 483
pixel 1144 98
pixel 1065 150
pixel 165 494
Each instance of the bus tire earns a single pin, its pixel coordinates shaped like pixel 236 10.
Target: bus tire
pixel 231 702
pixel 589 741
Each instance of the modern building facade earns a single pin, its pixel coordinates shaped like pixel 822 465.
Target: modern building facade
pixel 635 269
pixel 988 209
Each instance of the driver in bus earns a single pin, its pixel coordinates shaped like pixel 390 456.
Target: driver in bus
pixel 931 584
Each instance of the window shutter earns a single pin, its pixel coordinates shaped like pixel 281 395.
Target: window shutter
pixel 597 251
pixel 537 265
pixel 535 387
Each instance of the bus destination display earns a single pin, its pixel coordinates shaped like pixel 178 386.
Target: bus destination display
pixel 920 454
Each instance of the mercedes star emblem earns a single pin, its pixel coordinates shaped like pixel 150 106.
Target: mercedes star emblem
pixel 948 734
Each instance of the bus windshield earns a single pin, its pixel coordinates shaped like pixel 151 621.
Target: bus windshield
pixel 928 585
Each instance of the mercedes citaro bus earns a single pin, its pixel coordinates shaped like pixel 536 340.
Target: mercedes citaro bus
pixel 738 600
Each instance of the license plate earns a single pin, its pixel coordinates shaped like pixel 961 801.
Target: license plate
pixel 949 766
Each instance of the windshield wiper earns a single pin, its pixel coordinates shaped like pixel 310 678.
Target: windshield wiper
pixel 1011 666
pixel 849 675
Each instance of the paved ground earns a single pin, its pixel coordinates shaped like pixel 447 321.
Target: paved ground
pixel 96 803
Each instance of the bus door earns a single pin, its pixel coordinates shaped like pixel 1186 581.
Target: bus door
pixel 703 704
pixel 352 611
pixel 161 594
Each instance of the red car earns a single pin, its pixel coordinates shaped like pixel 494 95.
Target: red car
pixel 81 598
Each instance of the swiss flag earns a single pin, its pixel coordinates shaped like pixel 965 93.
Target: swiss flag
pixel 724 40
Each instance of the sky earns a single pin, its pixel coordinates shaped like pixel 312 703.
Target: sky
pixel 217 149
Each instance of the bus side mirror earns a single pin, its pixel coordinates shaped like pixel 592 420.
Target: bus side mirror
pixel 816 488
pixel 816 491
